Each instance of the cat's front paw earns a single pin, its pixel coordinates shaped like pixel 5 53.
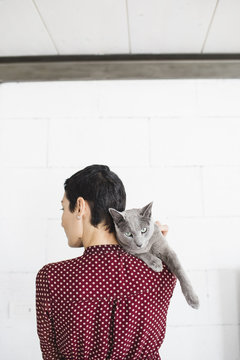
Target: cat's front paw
pixel 156 265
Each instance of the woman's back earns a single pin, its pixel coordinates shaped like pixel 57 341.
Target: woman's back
pixel 105 304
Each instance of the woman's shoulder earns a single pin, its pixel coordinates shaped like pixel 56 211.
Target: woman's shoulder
pixel 58 265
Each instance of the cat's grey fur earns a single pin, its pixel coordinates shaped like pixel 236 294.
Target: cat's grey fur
pixel 150 246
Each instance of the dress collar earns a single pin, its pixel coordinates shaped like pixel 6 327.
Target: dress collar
pixel 103 247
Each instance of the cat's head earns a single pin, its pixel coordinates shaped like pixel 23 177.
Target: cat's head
pixel 134 227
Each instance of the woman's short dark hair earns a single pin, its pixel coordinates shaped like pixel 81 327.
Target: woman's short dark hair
pixel 102 189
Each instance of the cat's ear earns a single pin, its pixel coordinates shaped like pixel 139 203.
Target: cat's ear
pixel 116 215
pixel 146 211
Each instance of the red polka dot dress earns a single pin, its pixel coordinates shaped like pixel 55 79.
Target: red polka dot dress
pixel 104 305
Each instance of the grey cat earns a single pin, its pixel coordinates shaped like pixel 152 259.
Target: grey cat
pixel 138 234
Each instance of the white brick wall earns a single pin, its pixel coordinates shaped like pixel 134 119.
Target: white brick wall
pixel 173 142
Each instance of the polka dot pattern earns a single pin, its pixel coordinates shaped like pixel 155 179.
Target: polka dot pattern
pixel 104 305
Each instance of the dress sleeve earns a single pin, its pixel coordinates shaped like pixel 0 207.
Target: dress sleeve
pixel 45 328
pixel 169 282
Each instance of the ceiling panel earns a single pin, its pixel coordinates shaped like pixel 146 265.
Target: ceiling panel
pixel 108 27
pixel 22 31
pixel 169 26
pixel 224 34
pixel 86 27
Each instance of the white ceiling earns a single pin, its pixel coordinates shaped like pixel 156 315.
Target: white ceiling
pixel 97 27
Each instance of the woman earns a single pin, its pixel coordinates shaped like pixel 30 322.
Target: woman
pixel 107 303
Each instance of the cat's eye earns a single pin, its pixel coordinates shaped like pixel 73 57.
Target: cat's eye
pixel 128 234
pixel 143 230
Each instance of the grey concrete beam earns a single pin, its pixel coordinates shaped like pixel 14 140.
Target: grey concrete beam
pixel 119 67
